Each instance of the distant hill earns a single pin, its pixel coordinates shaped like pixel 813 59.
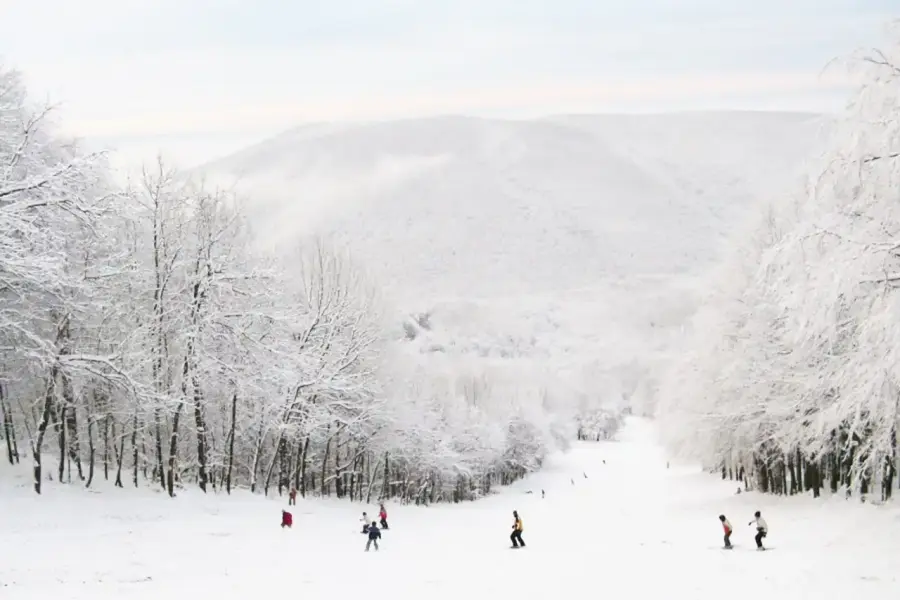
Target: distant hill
pixel 465 207
pixel 573 237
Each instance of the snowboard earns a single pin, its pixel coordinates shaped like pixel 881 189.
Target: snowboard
pixel 516 547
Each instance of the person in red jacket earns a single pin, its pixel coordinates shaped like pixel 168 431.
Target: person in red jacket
pixel 287 519
pixel 726 526
pixel 382 514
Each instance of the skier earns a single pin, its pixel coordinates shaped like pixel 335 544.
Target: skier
pixel 374 534
pixel 365 522
pixel 287 519
pixel 727 527
pixel 762 529
pixel 292 496
pixel 382 514
pixel 516 535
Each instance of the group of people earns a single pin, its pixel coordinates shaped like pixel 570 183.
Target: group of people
pixel 762 529
pixel 373 532
pixel 371 529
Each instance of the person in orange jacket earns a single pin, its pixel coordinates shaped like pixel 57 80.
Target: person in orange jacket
pixel 726 526
pixel 516 535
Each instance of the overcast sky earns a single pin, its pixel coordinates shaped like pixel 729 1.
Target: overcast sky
pixel 200 78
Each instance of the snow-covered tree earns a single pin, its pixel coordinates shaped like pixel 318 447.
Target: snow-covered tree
pixel 792 376
pixel 145 332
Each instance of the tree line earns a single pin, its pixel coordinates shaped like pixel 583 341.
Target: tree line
pixel 789 382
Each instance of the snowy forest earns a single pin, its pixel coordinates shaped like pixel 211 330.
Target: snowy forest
pixel 789 383
pixel 145 340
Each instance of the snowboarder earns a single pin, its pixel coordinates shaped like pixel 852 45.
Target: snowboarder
pixel 287 519
pixel 382 515
pixel 516 535
pixel 365 523
pixel 292 496
pixel 543 494
pixel 726 526
pixel 762 529
pixel 374 535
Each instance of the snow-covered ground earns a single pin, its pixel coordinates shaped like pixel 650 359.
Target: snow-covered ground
pixel 632 529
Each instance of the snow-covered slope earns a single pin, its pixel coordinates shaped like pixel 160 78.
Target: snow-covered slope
pixel 571 236
pixel 614 520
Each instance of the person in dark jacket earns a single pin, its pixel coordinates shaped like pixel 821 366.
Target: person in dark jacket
pixel 516 535
pixel 374 535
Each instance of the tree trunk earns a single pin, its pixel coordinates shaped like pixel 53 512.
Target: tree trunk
pixel 134 448
pixel 200 422
pixel 272 463
pixel 889 468
pixel 42 429
pixel 257 456
pixel 283 467
pixel 234 399
pixel 173 451
pixel 61 437
pixel 70 423
pixel 9 430
pixel 106 447
pixel 118 455
pixel 90 432
pixel 322 489
pixel 144 461
pixel 296 454
pixel 159 447
pixel 160 350
pixel 303 463
pixel 338 471
pixel 387 474
pixel 793 472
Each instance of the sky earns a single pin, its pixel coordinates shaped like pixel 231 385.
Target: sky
pixel 198 79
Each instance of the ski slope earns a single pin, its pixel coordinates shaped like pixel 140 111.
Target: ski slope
pixel 631 529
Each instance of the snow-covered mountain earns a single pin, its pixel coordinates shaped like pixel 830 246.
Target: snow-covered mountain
pixel 465 207
pixel 541 238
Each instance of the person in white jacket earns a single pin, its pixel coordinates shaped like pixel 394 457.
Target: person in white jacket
pixel 762 529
